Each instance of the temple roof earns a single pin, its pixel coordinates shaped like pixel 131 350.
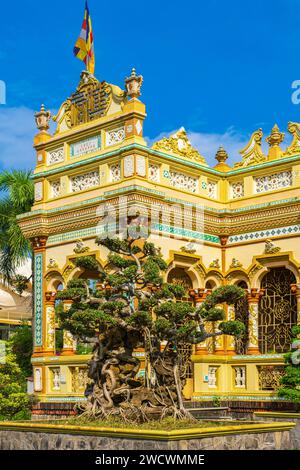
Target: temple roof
pixel 94 100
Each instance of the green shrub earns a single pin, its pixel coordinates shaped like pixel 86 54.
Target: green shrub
pixel 14 401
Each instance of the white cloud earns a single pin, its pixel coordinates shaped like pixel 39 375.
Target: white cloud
pixel 208 144
pixel 17 129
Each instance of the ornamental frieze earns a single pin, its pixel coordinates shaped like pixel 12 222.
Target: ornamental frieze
pixel 265 219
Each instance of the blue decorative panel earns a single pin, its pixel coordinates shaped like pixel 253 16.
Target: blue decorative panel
pixel 38 299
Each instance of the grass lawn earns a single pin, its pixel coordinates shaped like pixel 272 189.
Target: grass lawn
pixel 166 424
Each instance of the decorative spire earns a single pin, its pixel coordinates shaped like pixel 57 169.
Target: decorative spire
pixel 276 137
pixel 133 84
pixel 252 154
pixel 179 144
pixel 42 119
pixel 221 155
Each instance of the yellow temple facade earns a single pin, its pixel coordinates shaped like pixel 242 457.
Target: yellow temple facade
pixel 215 226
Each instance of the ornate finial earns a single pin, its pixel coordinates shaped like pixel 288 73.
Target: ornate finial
pixel 215 263
pixel 235 263
pixel 252 154
pixel 294 129
pixel 270 247
pixel 42 119
pixel 179 144
pixel 133 84
pixel 221 155
pixel 80 247
pixel 86 77
pixel 276 137
pixel 189 248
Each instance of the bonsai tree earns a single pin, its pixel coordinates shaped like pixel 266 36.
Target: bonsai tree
pixel 179 323
pixel 132 307
pixel 291 380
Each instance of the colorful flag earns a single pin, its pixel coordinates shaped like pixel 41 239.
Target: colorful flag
pixel 84 47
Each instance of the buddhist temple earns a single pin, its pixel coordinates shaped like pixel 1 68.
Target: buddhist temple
pixel 215 226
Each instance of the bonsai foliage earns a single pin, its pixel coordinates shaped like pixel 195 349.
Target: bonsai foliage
pixel 132 307
pixel 20 283
pixel 14 400
pixel 21 346
pixel 291 380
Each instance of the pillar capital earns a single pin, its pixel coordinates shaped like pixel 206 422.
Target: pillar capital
pixel 39 243
pixel 199 295
pixel 50 297
pixel 67 303
pixel 254 295
pixel 295 288
pixel 223 239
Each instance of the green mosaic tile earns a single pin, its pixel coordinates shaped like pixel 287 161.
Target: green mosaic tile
pixel 38 299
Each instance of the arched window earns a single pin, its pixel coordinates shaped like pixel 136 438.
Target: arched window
pixel 242 314
pixel 58 286
pixel 210 285
pixel 179 276
pixel 277 311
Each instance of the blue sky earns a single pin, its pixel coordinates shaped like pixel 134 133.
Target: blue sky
pixel 220 68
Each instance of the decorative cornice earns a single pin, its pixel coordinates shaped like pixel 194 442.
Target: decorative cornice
pixel 259 222
pixel 177 159
pixel 253 208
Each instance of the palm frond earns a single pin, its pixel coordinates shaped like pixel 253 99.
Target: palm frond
pixel 19 186
pixel 17 197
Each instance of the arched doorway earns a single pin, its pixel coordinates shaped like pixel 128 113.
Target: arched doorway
pixel 277 311
pixel 241 309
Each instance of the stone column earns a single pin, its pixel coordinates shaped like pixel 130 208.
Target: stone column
pixel 219 342
pixel 223 241
pixel 39 323
pixel 69 343
pixel 49 323
pixel 253 300
pixel 230 340
pixel 199 296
